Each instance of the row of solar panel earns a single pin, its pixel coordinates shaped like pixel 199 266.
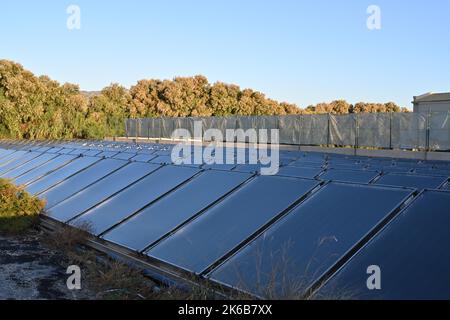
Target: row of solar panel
pixel 427 177
pixel 292 157
pixel 238 229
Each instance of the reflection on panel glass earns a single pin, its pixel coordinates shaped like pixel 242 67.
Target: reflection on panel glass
pixel 294 252
pixel 136 197
pixel 220 229
pixel 18 162
pixel 4 153
pixel 61 174
pixel 30 165
pixel 11 157
pixel 80 181
pixel 46 168
pixel 411 253
pixel 100 191
pixel 177 207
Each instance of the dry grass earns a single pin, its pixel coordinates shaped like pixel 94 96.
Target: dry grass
pixel 117 281
pixel 108 279
pixel 67 238
pixel 113 280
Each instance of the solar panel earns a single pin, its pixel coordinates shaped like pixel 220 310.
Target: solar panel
pixel 60 175
pixel 46 168
pixel 76 152
pixel 80 181
pixel 297 250
pixel 90 153
pixel 162 160
pixel 308 162
pixel 124 156
pixel 143 158
pixel 393 169
pixel 223 167
pixel 220 229
pixel 433 172
pixel 411 180
pixel 4 153
pixel 11 157
pixel 30 165
pixel 300 172
pixel 344 175
pixel 55 150
pixel 411 252
pixel 164 152
pixel 66 151
pixel 107 154
pixel 100 191
pixel 249 168
pixel 18 162
pixel 168 213
pixel 137 196
pixel 43 149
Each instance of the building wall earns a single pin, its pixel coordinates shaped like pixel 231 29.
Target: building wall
pixel 433 106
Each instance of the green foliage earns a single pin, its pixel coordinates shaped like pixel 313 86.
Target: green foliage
pixel 18 209
pixel 39 108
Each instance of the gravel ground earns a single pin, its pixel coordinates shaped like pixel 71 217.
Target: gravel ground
pixel 31 271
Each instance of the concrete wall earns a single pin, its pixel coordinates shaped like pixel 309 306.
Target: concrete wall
pixel 433 106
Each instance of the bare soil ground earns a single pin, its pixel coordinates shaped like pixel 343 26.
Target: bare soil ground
pixel 30 270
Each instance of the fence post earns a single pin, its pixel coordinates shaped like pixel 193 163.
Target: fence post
pixel 328 130
pixel 300 126
pixel 138 128
pixel 356 132
pixel 427 138
pixel 390 129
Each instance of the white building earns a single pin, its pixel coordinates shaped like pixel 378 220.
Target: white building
pixel 434 102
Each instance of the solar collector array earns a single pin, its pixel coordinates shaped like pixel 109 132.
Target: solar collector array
pixel 214 222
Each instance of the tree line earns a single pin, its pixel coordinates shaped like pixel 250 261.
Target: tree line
pixel 33 107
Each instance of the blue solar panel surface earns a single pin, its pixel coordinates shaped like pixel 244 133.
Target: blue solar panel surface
pixel 323 217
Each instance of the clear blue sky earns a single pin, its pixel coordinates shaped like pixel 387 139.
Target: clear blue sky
pixel 297 51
